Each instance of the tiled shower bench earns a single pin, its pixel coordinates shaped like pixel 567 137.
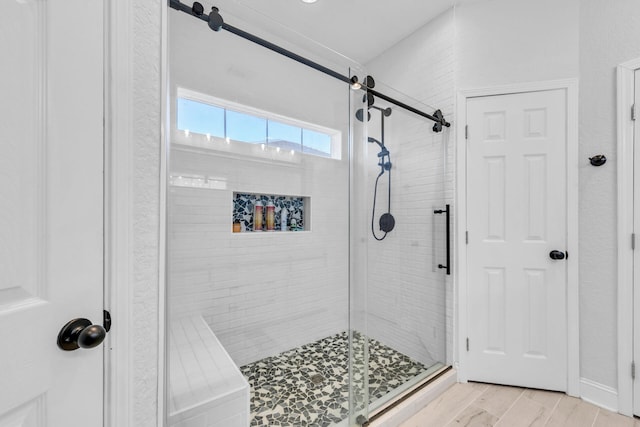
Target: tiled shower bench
pixel 206 387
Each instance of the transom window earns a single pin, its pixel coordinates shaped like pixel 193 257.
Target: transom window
pixel 200 114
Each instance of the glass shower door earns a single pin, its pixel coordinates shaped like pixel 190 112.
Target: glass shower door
pixel 258 232
pixel 358 249
pixel 401 293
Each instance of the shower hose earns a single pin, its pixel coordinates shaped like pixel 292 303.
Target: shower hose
pixel 385 166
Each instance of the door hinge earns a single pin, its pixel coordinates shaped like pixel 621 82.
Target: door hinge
pixel 467 344
pixel 633 241
pixel 466 131
pixel 633 112
pixel 466 237
pixel 633 370
pixel 106 320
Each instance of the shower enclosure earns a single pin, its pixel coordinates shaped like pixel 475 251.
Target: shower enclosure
pixel 283 308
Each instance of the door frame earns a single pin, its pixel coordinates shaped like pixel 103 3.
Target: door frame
pixel 118 213
pixel 625 161
pixel 120 218
pixel 570 86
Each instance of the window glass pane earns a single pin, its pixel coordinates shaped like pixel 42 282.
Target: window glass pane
pixel 316 143
pixel 197 117
pixel 204 118
pixel 286 137
pixel 246 128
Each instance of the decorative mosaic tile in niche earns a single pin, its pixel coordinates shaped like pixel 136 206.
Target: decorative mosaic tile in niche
pixel 244 204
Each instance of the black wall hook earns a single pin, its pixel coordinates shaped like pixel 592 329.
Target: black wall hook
pixel 598 160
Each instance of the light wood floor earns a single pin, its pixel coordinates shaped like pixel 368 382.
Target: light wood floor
pixel 476 404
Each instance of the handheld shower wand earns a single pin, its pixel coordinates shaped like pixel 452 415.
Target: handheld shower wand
pixel 386 222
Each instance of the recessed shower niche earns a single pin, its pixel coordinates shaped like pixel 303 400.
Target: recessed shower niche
pixel 270 212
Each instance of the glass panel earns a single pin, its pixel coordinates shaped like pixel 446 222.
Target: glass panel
pixel 257 312
pixel 285 136
pixel 246 128
pixel 406 296
pixel 316 143
pixel 358 277
pixel 197 117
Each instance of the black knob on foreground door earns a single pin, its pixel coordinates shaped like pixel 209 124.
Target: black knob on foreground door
pixel 556 255
pixel 80 333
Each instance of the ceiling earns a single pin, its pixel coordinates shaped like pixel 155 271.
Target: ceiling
pixel 357 29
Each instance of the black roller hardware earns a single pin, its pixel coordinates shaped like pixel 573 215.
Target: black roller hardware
pixel 369 98
pixel 215 20
pixel 216 23
pixel 369 82
pixel 197 9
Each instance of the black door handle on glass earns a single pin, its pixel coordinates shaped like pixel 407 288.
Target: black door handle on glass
pixel 448 237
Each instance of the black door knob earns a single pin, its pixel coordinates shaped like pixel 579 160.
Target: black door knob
pixel 80 333
pixel 556 255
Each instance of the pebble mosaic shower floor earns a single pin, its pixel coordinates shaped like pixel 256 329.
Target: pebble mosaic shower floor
pixel 308 385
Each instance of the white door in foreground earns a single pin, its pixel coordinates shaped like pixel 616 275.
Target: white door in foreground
pixel 51 208
pixel 636 253
pixel 516 219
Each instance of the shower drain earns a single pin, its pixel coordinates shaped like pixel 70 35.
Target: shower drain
pixel 317 378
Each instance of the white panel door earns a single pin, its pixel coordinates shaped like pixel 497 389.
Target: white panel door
pixel 636 253
pixel 51 207
pixel 516 215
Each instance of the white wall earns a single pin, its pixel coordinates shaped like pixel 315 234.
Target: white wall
pixel 507 41
pixel 609 34
pixel 409 298
pixel 261 293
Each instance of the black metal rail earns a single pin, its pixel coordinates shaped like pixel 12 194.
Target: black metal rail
pixel 448 216
pixel 216 23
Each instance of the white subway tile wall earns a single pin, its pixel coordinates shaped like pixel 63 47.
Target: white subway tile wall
pixel 410 300
pixel 261 293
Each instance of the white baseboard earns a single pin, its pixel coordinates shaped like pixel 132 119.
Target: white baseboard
pixel 418 401
pixel 599 394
